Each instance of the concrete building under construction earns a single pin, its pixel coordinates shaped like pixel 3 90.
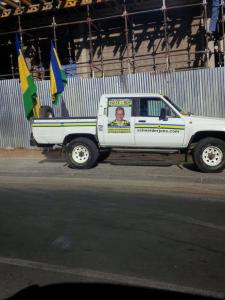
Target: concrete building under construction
pixel 96 38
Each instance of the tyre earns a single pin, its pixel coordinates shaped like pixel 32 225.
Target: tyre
pixel 82 153
pixel 209 155
pixel 104 154
pixel 46 112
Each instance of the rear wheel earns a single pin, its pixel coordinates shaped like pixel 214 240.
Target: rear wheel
pixel 209 155
pixel 82 153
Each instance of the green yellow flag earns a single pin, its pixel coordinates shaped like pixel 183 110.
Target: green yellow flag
pixel 29 89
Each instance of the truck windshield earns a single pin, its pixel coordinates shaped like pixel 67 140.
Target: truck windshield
pixel 178 108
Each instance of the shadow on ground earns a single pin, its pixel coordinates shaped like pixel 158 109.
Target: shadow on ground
pixel 52 156
pixel 127 159
pixel 191 167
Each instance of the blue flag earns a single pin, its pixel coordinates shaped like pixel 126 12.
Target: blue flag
pixel 57 75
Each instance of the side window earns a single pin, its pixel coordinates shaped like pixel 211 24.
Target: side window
pixel 151 107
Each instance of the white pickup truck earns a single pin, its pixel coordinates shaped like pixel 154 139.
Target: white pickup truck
pixel 135 122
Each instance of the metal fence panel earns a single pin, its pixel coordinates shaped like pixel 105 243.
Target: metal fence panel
pixel 200 91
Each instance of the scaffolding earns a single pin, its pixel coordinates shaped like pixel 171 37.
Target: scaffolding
pixel 124 13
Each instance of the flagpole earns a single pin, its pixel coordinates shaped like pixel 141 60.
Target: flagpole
pixel 20 28
pixel 54 31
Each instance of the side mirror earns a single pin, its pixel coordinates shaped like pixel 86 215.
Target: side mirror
pixel 163 115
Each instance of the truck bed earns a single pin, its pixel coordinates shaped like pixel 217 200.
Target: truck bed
pixel 54 130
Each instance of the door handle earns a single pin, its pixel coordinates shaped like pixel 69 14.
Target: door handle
pixel 142 121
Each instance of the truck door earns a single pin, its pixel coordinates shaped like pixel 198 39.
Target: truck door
pixel 157 125
pixel 116 125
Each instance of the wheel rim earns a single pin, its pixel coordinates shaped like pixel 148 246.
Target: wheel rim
pixel 212 156
pixel 80 154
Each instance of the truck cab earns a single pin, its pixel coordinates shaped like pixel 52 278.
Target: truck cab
pixel 141 120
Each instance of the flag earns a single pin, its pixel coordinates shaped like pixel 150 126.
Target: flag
pixel 57 75
pixel 28 87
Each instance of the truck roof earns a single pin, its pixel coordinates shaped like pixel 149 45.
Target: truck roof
pixel 122 95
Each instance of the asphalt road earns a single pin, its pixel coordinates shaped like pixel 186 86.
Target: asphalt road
pixel 110 224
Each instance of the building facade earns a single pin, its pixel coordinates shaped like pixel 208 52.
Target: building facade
pixel 97 38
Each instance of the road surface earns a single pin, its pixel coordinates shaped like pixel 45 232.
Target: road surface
pixel 115 223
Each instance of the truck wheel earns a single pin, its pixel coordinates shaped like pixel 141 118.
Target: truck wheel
pixel 104 154
pixel 209 155
pixel 82 153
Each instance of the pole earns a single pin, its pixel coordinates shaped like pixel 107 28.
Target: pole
pixel 54 31
pixel 20 27
pixel 223 29
pixel 70 53
pixel 127 36
pixel 41 68
pixel 166 35
pixel 133 47
pixel 90 42
pixel 12 66
pixel 206 30
pixel 102 56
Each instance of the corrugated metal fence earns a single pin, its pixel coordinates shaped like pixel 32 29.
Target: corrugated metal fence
pixel 200 91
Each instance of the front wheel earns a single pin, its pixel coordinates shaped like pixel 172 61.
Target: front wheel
pixel 209 155
pixel 82 153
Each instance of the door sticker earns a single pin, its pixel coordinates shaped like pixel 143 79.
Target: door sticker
pixel 119 114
